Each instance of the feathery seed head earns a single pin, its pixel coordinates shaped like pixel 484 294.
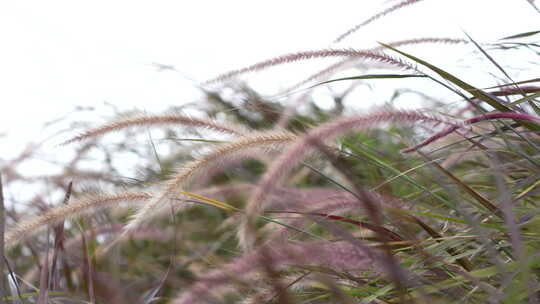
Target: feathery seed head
pixel 146 120
pixel 375 17
pixel 86 205
pixel 307 55
pixel 245 147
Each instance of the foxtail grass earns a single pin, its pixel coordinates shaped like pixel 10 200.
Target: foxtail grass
pixel 247 146
pixel 147 120
pixel 308 55
pixel 298 202
pixel 90 204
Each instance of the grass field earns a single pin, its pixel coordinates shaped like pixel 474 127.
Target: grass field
pixel 243 199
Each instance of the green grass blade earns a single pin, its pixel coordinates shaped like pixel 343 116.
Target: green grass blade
pixel 491 100
pixel 490 58
pixel 372 76
pixel 521 35
pixel 524 99
pixel 404 176
pixel 477 196
pixel 476 92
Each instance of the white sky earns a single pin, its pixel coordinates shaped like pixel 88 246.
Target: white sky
pixel 57 55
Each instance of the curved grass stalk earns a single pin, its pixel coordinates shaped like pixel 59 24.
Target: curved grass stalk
pixel 325 73
pixel 332 69
pixel 307 55
pixel 375 17
pixel 83 206
pixel 491 116
pixel 145 120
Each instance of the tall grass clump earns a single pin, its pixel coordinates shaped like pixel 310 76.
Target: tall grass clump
pixel 251 200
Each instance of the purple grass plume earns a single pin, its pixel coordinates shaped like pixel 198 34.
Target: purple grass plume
pixel 491 116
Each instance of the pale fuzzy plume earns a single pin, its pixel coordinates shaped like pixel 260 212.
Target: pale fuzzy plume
pixel 437 40
pixel 83 206
pixel 307 55
pixel 146 120
pixel 336 67
pixel 244 147
pixel 327 72
pixel 342 256
pixel 375 17
pixel 304 145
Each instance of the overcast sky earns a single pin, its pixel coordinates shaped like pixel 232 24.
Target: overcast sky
pixel 57 55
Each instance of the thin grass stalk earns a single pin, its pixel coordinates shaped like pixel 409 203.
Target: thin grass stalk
pixel 88 272
pixel 44 276
pixel 506 208
pixel 484 117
